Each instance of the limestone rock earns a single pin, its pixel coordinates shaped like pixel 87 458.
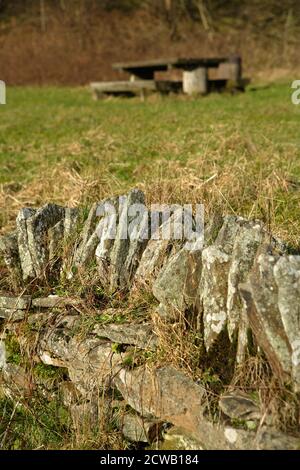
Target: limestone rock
pixel 12 315
pixel 237 405
pixel 165 393
pixel 228 232
pixel 140 335
pixel 212 229
pixel 2 354
pixel 90 361
pixel 89 239
pixel 176 285
pixel 287 277
pixel 15 303
pixel 37 230
pixel 55 236
pixel 264 439
pixel 106 231
pixel 10 252
pixel 274 440
pixel 136 247
pixel 136 429
pixel 213 285
pixel 55 346
pixel 261 300
pixel 246 244
pixel 159 249
pixel 70 221
pixel 53 301
pixel 119 252
pixel 88 231
pixel 26 261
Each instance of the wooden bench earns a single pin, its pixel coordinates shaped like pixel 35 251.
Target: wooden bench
pixel 133 87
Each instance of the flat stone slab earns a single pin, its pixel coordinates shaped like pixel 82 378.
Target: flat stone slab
pixel 15 303
pixel 12 315
pixel 140 335
pixel 52 301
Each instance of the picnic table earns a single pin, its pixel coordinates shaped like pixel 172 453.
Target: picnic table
pixel 195 77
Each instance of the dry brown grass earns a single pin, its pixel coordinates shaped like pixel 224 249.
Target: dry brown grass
pixel 79 46
pixel 278 403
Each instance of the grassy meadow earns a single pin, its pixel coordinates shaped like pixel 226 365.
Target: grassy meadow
pixel 237 154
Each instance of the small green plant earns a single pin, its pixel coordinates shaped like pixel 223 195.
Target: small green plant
pixel 44 371
pixel 13 350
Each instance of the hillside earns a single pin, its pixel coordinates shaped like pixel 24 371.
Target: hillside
pixel 74 42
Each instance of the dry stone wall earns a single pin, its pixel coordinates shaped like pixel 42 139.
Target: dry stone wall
pixel 243 284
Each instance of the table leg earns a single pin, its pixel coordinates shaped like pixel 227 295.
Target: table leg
pixel 195 81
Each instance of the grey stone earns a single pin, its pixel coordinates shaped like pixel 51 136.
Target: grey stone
pixel 37 230
pixel 228 232
pixel 213 292
pixel 70 221
pixel 213 287
pixel 12 315
pixel 26 261
pixel 261 301
pixel 89 240
pixel 165 393
pixel 140 335
pixel 237 405
pixel 106 231
pixel 2 354
pixel 136 429
pixel 87 232
pixel 265 295
pixel 158 250
pixel 264 439
pixel 136 247
pixel 10 252
pixel 177 283
pixel 119 252
pixel 55 347
pixel 246 244
pixel 53 301
pixel 212 228
pixel 15 303
pixel 275 440
pixel 287 277
pixel 55 236
pixel 90 360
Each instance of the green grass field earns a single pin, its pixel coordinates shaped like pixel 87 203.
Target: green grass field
pixel 237 154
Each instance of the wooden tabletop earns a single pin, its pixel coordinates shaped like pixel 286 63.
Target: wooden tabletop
pixel 168 63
